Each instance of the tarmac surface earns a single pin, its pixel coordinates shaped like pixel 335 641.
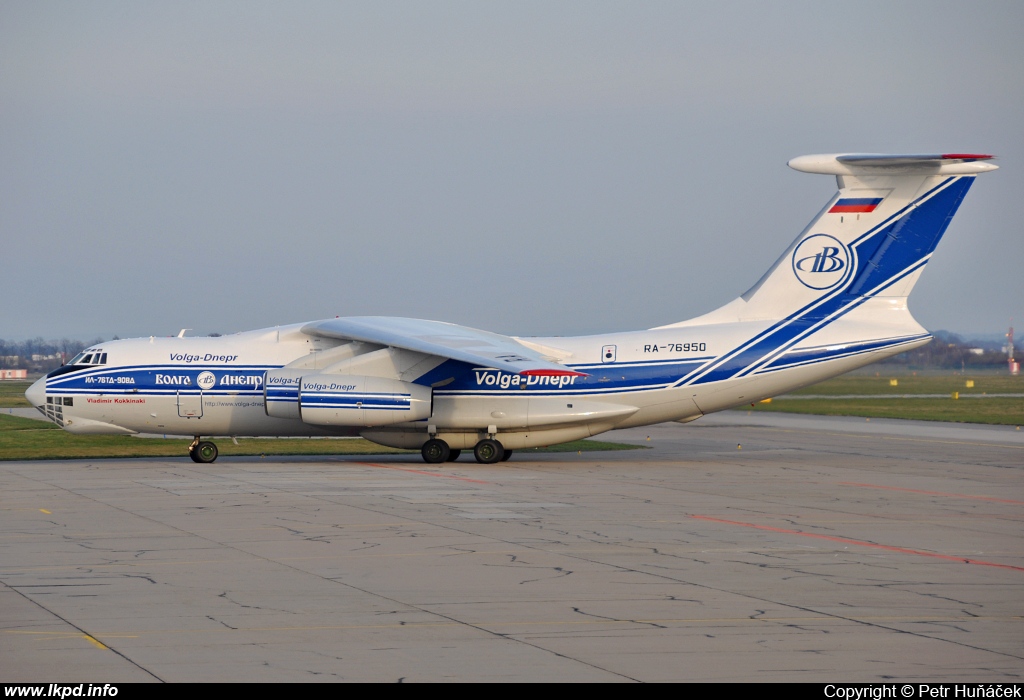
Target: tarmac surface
pixel 764 547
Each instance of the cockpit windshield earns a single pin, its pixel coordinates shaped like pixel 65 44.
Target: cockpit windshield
pixel 87 357
pixel 80 362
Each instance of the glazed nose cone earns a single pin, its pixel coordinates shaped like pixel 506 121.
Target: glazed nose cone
pixel 36 394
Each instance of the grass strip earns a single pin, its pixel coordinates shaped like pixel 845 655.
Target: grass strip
pixel 993 411
pixel 12 394
pixel 584 446
pixel 921 383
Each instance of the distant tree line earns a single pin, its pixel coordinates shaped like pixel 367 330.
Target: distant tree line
pixel 950 351
pixel 39 354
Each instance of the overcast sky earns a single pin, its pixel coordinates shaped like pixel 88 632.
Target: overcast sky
pixel 526 167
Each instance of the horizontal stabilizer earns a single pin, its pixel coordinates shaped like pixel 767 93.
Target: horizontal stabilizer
pixel 894 164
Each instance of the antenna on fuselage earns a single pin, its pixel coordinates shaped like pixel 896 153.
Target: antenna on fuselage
pixel 181 333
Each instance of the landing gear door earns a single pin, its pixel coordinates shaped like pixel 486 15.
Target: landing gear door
pixel 190 405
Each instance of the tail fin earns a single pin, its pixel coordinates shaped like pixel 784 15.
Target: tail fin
pixel 872 239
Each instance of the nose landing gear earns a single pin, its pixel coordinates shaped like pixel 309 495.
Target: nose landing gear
pixel 202 451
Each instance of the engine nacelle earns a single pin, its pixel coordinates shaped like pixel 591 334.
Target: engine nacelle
pixel 339 399
pixel 281 392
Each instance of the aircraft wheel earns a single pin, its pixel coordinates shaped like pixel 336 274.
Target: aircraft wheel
pixel 192 455
pixel 505 455
pixel 205 452
pixel 453 455
pixel 435 451
pixel 488 451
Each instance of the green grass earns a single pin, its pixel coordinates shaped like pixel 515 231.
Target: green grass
pixel 975 405
pixel 996 411
pixel 28 438
pixel 12 394
pixel 919 383
pixel 8 422
pixel 584 446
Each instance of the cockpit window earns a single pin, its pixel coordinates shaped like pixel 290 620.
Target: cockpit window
pixel 89 358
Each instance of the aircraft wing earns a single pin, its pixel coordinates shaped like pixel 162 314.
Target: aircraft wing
pixel 480 348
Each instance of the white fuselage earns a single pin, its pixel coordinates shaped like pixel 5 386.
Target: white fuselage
pixel 216 386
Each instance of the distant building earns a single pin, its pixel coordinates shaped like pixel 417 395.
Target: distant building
pixel 977 351
pixel 13 374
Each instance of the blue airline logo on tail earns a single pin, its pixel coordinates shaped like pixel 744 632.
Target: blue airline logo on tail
pixel 821 262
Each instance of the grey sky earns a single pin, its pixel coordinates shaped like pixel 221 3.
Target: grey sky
pixel 530 168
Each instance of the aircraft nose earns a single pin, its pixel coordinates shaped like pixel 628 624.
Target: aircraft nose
pixel 36 394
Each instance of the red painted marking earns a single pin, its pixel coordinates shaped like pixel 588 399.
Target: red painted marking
pixel 933 493
pixel 551 373
pixel 966 156
pixel 418 471
pixel 860 543
pixel 852 209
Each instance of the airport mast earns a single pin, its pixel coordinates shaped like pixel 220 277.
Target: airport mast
pixel 1010 350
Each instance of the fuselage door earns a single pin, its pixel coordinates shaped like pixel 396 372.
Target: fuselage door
pixel 190 405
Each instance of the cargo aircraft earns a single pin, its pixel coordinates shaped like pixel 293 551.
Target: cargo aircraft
pixel 835 300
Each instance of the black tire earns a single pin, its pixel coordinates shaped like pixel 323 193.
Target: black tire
pixel 505 455
pixel 192 455
pixel 488 451
pixel 453 455
pixel 205 452
pixel 435 451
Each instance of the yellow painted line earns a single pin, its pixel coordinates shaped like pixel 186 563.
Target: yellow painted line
pixel 92 640
pixel 203 532
pixel 49 635
pixel 68 635
pixel 43 510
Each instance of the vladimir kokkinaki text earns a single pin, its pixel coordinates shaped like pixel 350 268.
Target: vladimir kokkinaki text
pixel 919 691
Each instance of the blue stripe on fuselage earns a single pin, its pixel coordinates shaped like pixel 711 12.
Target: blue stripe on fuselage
pixel 453 376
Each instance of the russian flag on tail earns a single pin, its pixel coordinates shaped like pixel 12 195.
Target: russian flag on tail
pixel 855 205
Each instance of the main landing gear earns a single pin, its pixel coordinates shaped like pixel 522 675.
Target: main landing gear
pixel 202 451
pixel 487 451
